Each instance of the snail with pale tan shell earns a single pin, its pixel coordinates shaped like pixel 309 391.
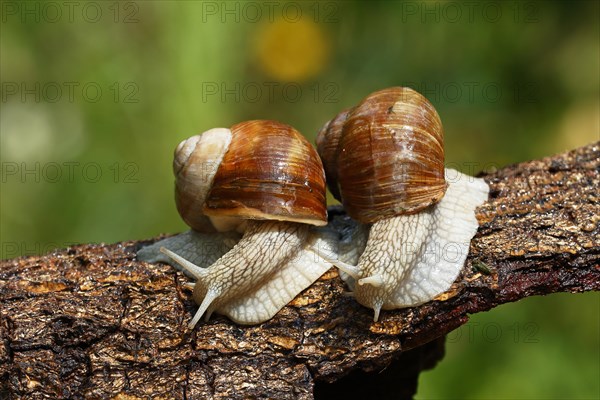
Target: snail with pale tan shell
pixel 384 159
pixel 264 179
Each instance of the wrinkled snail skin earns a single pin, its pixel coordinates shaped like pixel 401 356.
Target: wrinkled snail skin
pixel 263 179
pixel 384 160
pixel 410 259
pixel 297 272
pixel 201 252
pixel 264 248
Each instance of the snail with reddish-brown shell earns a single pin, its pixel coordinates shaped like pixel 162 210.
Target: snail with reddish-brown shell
pixel 384 160
pixel 263 179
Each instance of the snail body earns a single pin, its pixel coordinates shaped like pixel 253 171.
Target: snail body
pixel 264 180
pixel 384 160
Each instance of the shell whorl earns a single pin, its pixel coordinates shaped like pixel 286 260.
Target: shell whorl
pixel 328 140
pixel 258 169
pixel 386 154
pixel 195 164
pixel 269 172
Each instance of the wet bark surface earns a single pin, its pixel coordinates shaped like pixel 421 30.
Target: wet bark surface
pixel 91 321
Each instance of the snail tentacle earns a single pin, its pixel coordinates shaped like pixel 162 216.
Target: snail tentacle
pixel 192 269
pixel 201 249
pixel 351 270
pixel 211 296
pixel 373 280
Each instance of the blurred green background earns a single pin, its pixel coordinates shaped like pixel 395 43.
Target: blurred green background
pixel 96 95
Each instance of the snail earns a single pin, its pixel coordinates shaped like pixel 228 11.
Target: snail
pixel 384 160
pixel 261 179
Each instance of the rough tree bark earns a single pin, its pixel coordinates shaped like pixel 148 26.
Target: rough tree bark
pixel 91 321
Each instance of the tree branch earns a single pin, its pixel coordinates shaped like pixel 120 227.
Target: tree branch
pixel 92 321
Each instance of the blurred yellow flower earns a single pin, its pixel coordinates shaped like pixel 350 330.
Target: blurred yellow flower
pixel 292 51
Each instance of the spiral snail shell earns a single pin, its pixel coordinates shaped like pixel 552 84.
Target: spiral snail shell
pixel 260 170
pixel 384 160
pixel 388 153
